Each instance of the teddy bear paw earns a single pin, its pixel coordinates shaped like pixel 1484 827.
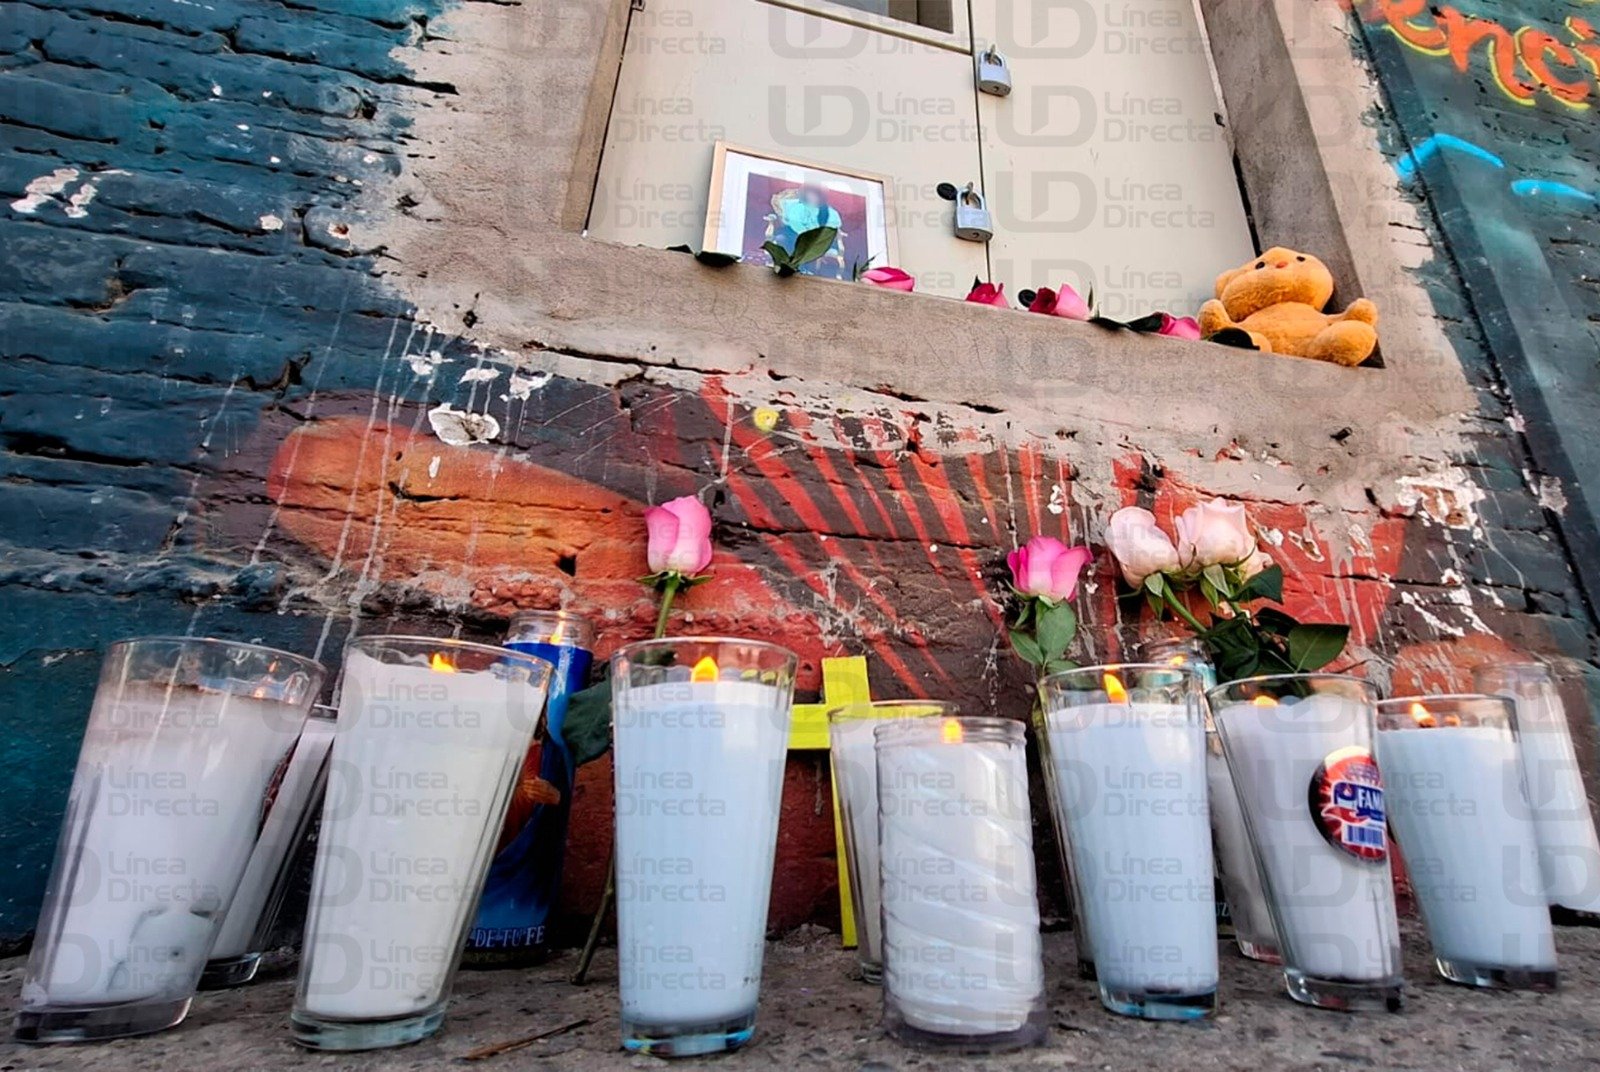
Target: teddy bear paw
pixel 1363 311
pixel 1345 342
pixel 1214 317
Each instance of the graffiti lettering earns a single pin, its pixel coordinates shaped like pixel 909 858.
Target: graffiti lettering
pixel 1523 63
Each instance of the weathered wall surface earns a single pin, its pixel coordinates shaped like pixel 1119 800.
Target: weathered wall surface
pixel 1492 105
pixel 297 339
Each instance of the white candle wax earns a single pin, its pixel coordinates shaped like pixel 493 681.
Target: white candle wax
pixel 171 821
pixel 422 768
pixel 699 779
pixel 1134 775
pixel 1247 901
pixel 1335 912
pixel 1455 801
pixel 1569 853
pixel 855 767
pixel 279 838
pixel 961 947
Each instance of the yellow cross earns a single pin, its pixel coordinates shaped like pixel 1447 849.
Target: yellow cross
pixel 844 681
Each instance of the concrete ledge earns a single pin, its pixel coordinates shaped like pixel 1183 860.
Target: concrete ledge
pixel 815 1016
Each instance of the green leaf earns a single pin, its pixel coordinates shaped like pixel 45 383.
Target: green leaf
pixel 1313 645
pixel 1056 666
pixel 1027 603
pixel 1268 584
pixel 779 255
pixel 1209 590
pixel 1107 322
pixel 587 728
pixel 1274 622
pixel 1156 583
pixel 1233 637
pixel 1219 580
pixel 810 245
pixel 1058 624
pixel 784 270
pixel 1025 646
pixel 1146 324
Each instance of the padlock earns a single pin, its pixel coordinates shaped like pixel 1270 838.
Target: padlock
pixel 973 221
pixel 994 74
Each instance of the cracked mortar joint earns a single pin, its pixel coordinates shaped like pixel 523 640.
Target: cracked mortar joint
pixel 459 428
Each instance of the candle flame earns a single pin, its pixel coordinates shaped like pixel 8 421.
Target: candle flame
pixel 951 732
pixel 1114 690
pixel 1264 701
pixel 704 670
pixel 1178 660
pixel 439 662
pixel 556 633
pixel 1423 716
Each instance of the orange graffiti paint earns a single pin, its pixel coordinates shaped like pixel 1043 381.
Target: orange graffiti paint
pixel 1522 63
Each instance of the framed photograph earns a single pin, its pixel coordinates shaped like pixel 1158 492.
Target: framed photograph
pixel 759 197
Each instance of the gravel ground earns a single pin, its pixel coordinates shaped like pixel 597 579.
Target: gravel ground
pixel 814 1015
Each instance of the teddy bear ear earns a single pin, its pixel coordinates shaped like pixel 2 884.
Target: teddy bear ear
pixel 1228 277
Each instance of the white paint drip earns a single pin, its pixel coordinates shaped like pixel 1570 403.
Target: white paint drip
pixel 1436 623
pixel 459 428
pixel 433 467
pixel 42 190
pixel 1058 500
pixel 270 222
pixel 1446 495
pixel 480 375
pixel 78 204
pixel 423 364
pixel 523 386
pixel 1551 495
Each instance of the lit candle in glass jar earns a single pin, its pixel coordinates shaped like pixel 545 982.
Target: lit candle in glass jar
pixel 962 960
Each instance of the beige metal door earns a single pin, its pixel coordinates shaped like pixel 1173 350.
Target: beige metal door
pixel 821 82
pixel 1106 166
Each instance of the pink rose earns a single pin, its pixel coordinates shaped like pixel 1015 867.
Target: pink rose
pixel 1179 327
pixel 990 294
pixel 1253 565
pixel 680 536
pixel 1047 568
pixel 889 279
pixel 1214 533
pixel 1064 302
pixel 1139 545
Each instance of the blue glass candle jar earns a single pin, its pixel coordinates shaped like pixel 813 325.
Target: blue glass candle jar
pixel 524 881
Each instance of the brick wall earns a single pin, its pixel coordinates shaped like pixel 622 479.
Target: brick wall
pixel 219 415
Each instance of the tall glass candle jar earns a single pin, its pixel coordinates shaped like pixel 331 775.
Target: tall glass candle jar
pixel 855 780
pixel 525 874
pixel 700 737
pixel 1569 852
pixel 431 736
pixel 1300 749
pixel 183 742
pixel 1453 786
pixel 247 927
pixel 1243 904
pixel 1127 742
pixel 962 958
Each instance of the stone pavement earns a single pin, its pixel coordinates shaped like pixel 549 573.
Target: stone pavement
pixel 815 1016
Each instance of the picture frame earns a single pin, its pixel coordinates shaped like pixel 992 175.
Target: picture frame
pixel 758 196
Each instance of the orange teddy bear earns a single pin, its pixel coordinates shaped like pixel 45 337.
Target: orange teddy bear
pixel 1278 299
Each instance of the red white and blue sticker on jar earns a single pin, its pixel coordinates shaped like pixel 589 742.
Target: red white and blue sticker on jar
pixel 1346 802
